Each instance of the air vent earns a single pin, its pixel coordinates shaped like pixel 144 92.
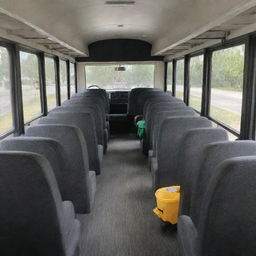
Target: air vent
pixel 120 68
pixel 118 2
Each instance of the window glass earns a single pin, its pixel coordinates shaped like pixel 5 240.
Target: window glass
pixel 227 85
pixel 72 79
pixel 30 86
pixel 231 136
pixel 120 77
pixel 50 83
pixel 196 81
pixel 63 81
pixel 6 119
pixel 180 79
pixel 169 76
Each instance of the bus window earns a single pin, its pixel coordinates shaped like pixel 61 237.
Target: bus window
pixel 120 77
pixel 63 81
pixel 180 79
pixel 231 136
pixel 50 83
pixel 6 119
pixel 169 76
pixel 30 86
pixel 227 85
pixel 196 81
pixel 72 79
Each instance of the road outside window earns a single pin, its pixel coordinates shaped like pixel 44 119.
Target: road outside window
pixel 227 86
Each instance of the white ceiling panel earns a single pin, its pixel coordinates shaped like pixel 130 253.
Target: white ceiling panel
pixel 164 23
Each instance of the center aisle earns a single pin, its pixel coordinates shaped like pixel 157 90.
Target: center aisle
pixel 122 222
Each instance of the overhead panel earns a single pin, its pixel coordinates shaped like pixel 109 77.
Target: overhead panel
pixel 13 29
pixel 241 24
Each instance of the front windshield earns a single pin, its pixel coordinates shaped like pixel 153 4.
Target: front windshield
pixel 120 77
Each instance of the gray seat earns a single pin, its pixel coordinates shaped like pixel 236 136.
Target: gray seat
pixel 144 96
pixel 190 158
pixel 99 114
pixel 134 98
pixel 89 98
pixel 82 181
pixel 166 98
pixel 33 218
pixel 227 223
pixel 153 104
pixel 81 108
pixel 214 154
pixel 52 151
pixel 85 122
pixel 147 139
pixel 100 93
pixel 164 168
pixel 155 133
pixel 157 120
pixel 89 101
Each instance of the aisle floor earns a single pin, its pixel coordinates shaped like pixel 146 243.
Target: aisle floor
pixel 122 222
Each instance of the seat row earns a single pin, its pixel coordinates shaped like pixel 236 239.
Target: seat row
pixel 217 177
pixel 49 175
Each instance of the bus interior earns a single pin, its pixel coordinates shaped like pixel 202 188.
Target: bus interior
pixel 127 128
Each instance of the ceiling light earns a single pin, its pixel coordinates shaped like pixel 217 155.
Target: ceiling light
pixel 118 2
pixel 120 68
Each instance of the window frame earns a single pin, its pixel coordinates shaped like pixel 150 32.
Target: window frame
pixel 14 49
pixel 13 90
pixel 176 62
pixel 213 49
pixel 169 62
pixel 72 63
pixel 37 54
pixel 193 55
pixel 55 73
pixel 120 63
pixel 66 70
pixel 206 85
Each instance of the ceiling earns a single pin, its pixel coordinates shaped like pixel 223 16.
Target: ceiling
pixel 68 26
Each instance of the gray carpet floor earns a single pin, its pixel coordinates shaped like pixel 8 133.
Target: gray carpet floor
pixel 122 222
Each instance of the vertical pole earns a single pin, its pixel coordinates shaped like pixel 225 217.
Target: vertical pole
pixel 165 75
pixel 42 82
pixel 76 83
pixel 174 67
pixel 68 78
pixel 249 102
pixel 57 80
pixel 17 90
pixel 206 95
pixel 186 79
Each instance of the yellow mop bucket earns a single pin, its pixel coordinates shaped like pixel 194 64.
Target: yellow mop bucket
pixel 168 200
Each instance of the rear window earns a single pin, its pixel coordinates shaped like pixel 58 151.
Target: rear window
pixel 120 77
